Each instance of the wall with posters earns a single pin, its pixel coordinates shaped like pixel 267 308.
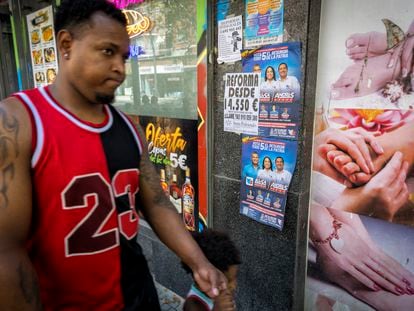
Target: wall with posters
pixel 272 274
pixel 361 231
pixel 274 262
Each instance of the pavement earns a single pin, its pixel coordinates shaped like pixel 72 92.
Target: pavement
pixel 169 300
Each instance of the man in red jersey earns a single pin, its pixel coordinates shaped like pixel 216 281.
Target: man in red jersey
pixel 73 174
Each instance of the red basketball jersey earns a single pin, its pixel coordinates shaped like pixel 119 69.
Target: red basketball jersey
pixel 85 185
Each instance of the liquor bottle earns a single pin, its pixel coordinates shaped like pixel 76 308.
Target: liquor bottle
pixel 175 191
pixel 175 194
pixel 164 184
pixel 188 203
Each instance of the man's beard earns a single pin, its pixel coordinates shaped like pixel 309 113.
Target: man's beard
pixel 104 99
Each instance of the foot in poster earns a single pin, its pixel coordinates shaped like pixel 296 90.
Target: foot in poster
pixel 366 77
pixel 374 43
pixel 383 196
pixel 398 139
pixel 354 143
pixel 360 266
pixel 360 45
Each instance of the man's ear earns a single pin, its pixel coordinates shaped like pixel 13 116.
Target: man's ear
pixel 64 42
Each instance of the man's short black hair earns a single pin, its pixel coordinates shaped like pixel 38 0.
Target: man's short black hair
pixel 278 67
pixel 74 13
pixel 218 248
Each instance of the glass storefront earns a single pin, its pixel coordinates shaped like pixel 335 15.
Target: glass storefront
pixel 165 92
pixel 161 72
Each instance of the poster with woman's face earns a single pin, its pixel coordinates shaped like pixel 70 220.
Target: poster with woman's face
pixel 267 169
pixel 361 233
pixel 279 67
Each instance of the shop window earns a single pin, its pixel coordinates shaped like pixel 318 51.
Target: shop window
pixel 161 72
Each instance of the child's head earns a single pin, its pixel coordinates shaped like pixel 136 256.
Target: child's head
pixel 220 251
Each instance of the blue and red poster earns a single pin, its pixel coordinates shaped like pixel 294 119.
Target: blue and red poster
pixel 280 70
pixel 267 168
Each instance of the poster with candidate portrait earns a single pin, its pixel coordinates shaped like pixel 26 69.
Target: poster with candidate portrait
pixel 361 229
pixel 267 168
pixel 280 71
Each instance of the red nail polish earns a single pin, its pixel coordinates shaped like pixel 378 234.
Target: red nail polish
pixel 406 281
pixel 399 290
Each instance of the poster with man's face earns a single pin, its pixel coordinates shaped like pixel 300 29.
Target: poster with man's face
pixel 267 168
pixel 361 235
pixel 279 67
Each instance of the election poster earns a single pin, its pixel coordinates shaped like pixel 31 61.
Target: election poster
pixel 264 22
pixel 361 228
pixel 42 46
pixel 267 168
pixel 279 67
pixel 241 102
pixel 230 36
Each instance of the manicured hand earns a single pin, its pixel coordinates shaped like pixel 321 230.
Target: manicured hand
pixel 359 263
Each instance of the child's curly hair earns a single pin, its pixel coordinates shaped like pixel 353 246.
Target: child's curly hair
pixel 218 248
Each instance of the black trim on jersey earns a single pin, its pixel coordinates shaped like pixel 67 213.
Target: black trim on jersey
pixel 122 153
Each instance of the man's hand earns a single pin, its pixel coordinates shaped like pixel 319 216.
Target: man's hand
pixel 209 279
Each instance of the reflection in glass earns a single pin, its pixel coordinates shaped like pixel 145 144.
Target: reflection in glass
pixel 161 72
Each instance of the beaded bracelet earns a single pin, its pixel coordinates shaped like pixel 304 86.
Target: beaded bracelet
pixel 333 239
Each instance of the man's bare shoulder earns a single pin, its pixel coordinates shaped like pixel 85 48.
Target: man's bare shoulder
pixel 13 104
pixel 15 121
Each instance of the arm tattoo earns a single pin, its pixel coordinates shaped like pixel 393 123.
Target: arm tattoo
pixel 29 286
pixel 9 129
pixel 149 174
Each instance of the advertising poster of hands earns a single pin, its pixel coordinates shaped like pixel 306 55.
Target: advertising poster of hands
pixel 279 66
pixel 264 22
pixel 361 234
pixel 267 168
pixel 42 46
